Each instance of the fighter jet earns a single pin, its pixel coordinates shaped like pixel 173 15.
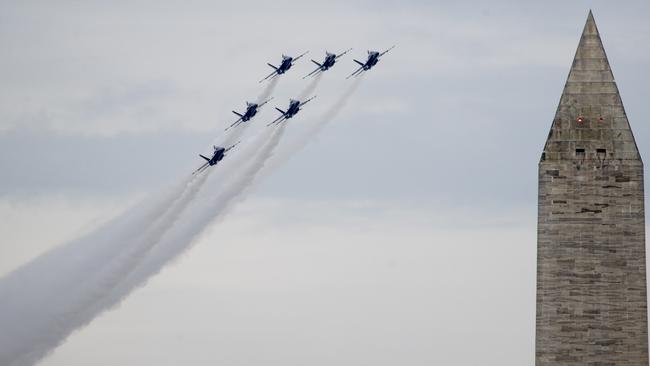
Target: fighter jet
pixel 373 58
pixel 330 60
pixel 218 155
pixel 251 111
pixel 294 108
pixel 287 62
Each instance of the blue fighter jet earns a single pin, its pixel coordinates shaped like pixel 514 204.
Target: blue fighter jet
pixel 294 108
pixel 373 58
pixel 218 155
pixel 330 60
pixel 287 62
pixel 251 111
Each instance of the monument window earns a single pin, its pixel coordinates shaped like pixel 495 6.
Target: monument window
pixel 602 153
pixel 580 152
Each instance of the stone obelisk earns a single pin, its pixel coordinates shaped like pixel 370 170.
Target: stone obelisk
pixel 591 269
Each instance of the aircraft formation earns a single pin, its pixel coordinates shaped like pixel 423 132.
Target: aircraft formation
pixel 295 105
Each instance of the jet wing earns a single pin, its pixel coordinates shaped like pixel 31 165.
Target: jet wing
pixel 277 120
pixel 236 123
pixel 296 58
pixel 231 147
pixel 312 73
pixel 357 72
pixel 270 75
pixel 385 52
pixel 201 168
pixel 346 51
pixel 264 102
pixel 306 101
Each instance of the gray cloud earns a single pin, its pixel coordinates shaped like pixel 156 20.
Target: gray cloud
pixel 103 100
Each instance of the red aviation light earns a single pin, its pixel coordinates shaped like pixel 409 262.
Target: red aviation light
pixel 580 119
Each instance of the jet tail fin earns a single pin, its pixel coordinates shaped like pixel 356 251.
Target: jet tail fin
pixel 206 159
pixel 359 62
pixel 319 65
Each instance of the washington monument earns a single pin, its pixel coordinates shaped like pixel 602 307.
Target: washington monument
pixel 591 272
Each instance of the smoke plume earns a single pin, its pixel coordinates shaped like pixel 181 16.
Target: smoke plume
pixel 44 301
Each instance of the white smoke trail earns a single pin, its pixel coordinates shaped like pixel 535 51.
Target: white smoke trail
pixel 217 207
pixel 213 207
pixel 106 240
pixel 266 93
pixel 206 209
pixel 78 288
pixel 313 83
pixel 52 291
pixel 315 127
pixel 43 302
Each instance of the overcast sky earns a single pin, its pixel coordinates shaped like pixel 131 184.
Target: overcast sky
pixel 403 234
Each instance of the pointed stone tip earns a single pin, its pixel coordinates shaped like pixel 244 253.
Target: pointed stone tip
pixel 591 113
pixel 590 62
pixel 590 17
pixel 590 25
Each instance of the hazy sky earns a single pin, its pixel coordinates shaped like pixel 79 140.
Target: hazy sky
pixel 403 234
